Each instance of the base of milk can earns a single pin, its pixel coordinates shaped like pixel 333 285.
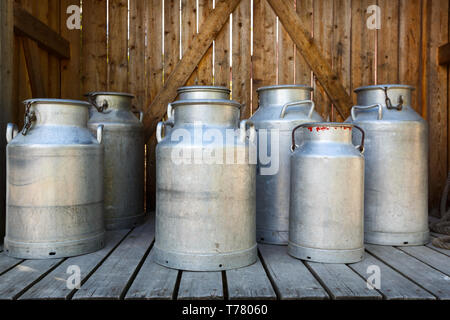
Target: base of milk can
pixel 272 237
pixel 397 239
pixel 324 255
pixel 125 223
pixel 52 250
pixel 206 262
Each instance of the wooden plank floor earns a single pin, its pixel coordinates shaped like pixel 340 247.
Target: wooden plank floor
pixel 125 269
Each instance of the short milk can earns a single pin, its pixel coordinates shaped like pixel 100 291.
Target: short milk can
pixel 327 194
pixel 54 203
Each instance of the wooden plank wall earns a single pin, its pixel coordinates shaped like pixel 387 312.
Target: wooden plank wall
pixel 147 37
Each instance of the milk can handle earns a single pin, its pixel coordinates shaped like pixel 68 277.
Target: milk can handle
pixel 297 103
pixel 100 133
pixel 363 108
pixel 11 132
pixel 102 108
pixel 243 130
pixel 159 127
pixel 170 111
pixel 360 146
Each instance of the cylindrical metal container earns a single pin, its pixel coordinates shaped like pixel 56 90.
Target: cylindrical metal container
pixel 205 189
pixel 327 195
pixel 281 108
pixel 396 197
pixel 203 92
pixel 124 158
pixel 54 182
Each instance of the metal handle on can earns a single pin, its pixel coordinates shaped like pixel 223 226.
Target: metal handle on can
pixel 100 133
pixel 360 146
pixel 170 111
pixel 389 105
pixel 243 130
pixel 160 126
pixel 296 103
pixel 364 108
pixel 11 132
pixel 102 108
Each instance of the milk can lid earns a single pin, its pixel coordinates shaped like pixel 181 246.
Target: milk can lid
pixel 105 93
pixel 285 86
pixel 383 86
pixel 57 101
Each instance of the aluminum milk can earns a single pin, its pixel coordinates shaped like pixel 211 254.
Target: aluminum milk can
pixel 327 195
pixel 123 139
pixel 205 188
pixel 281 108
pixel 396 197
pixel 54 202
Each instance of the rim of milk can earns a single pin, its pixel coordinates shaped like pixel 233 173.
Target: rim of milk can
pixel 383 86
pixel 229 103
pixel 57 101
pixel 203 88
pixel 285 86
pixel 108 93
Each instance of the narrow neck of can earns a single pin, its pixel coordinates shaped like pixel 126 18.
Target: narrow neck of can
pixel 114 102
pixel 280 96
pixel 218 93
pixel 60 114
pixel 220 115
pixel 379 95
pixel 339 134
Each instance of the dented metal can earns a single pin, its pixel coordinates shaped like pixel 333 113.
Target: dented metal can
pixel 396 184
pixel 205 207
pixel 327 195
pixel 54 182
pixel 123 139
pixel 281 108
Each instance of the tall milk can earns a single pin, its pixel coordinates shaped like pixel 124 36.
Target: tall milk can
pixel 281 108
pixel 327 195
pixel 396 198
pixel 205 188
pixel 54 202
pixel 124 158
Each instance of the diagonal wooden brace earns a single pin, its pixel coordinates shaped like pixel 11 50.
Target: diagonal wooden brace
pixel 328 79
pixel 191 58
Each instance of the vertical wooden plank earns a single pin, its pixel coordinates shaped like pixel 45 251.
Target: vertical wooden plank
pixel 409 47
pixel 94 66
pixel 437 98
pixel 118 46
pixel 242 61
pixel 171 36
pixel 137 67
pixel 264 63
pixel 323 35
pixel 154 61
pixel 303 74
pixel 188 30
pixel 286 53
pixel 341 49
pixel 54 69
pixel 70 69
pixel 387 42
pixel 205 67
pixel 23 81
pixel 222 56
pixel 40 11
pixel 363 46
pixel 6 92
